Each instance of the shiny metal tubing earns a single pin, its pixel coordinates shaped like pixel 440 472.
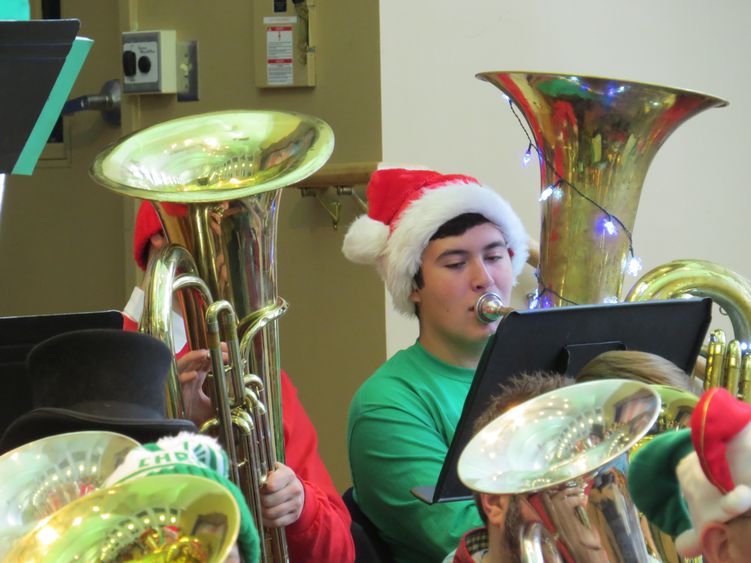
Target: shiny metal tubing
pixel 700 278
pixel 164 281
pixel 537 545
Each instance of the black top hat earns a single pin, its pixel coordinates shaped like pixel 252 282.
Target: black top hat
pixel 99 379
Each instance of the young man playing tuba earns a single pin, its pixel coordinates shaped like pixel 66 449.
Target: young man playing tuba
pixel 439 242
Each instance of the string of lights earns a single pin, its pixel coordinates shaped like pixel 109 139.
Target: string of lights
pixel 608 225
pixel 540 300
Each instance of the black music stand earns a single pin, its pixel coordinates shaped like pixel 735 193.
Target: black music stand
pixel 563 340
pixel 18 335
pixel 39 62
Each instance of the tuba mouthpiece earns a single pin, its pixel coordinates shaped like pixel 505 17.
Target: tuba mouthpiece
pixel 489 308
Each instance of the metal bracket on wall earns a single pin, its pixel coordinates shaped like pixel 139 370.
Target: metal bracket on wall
pixel 334 208
pixel 342 178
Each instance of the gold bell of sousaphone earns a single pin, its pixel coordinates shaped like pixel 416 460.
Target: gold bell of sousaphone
pixel 152 519
pixel 599 135
pixel 561 454
pixel 216 182
pixel 41 477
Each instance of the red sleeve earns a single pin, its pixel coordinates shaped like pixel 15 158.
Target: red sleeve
pixel 322 533
pixel 129 324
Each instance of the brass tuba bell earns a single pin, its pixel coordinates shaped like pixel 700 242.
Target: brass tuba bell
pixel 43 476
pixel 599 135
pixel 158 518
pixel 216 181
pixel 561 454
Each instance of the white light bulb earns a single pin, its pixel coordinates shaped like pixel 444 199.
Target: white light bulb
pixel 610 227
pixel 546 193
pixel 634 266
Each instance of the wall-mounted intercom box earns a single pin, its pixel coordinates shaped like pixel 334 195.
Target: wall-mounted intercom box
pixel 154 62
pixel 150 62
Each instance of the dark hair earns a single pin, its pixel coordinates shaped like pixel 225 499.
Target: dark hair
pixel 515 391
pixel 452 228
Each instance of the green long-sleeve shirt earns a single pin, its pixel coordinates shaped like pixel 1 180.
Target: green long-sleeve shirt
pixel 401 422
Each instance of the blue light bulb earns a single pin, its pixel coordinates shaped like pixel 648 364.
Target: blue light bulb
pixel 527 157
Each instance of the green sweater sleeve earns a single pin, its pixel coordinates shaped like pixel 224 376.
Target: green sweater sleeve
pixel 391 451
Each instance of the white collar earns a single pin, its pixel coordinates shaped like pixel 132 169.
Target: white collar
pixel 134 309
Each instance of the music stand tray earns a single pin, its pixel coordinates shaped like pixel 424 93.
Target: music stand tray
pixel 563 340
pixel 39 62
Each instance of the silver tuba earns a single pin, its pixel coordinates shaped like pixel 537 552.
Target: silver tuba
pixel 561 454
pixel 215 180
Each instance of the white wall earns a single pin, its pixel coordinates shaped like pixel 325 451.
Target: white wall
pixel 694 202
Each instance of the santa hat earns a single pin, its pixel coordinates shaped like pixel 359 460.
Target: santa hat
pixel 406 208
pixel 147 225
pixel 190 454
pixel 711 464
pixel 721 432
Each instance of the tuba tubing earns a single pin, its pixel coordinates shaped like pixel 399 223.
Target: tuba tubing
pixel 216 181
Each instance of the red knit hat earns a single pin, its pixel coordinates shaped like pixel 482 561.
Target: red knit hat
pixel 147 225
pixel 406 208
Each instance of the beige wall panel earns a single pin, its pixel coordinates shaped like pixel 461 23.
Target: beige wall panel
pixel 326 356
pixel 61 236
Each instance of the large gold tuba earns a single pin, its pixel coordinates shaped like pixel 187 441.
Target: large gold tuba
pixel 599 135
pixel 561 455
pixel 216 182
pixel 596 138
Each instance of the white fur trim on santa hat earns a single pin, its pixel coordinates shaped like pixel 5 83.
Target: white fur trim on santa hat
pixel 738 454
pixel 422 218
pixel 688 544
pixel 704 501
pixel 365 240
pixel 737 501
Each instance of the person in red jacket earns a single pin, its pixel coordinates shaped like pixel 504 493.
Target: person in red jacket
pixel 299 494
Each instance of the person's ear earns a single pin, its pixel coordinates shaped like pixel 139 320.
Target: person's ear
pixel 414 296
pixel 715 543
pixel 495 507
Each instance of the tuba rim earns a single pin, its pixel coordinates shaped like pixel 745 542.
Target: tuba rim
pixel 87 524
pixel 488 449
pixel 717 102
pixel 169 132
